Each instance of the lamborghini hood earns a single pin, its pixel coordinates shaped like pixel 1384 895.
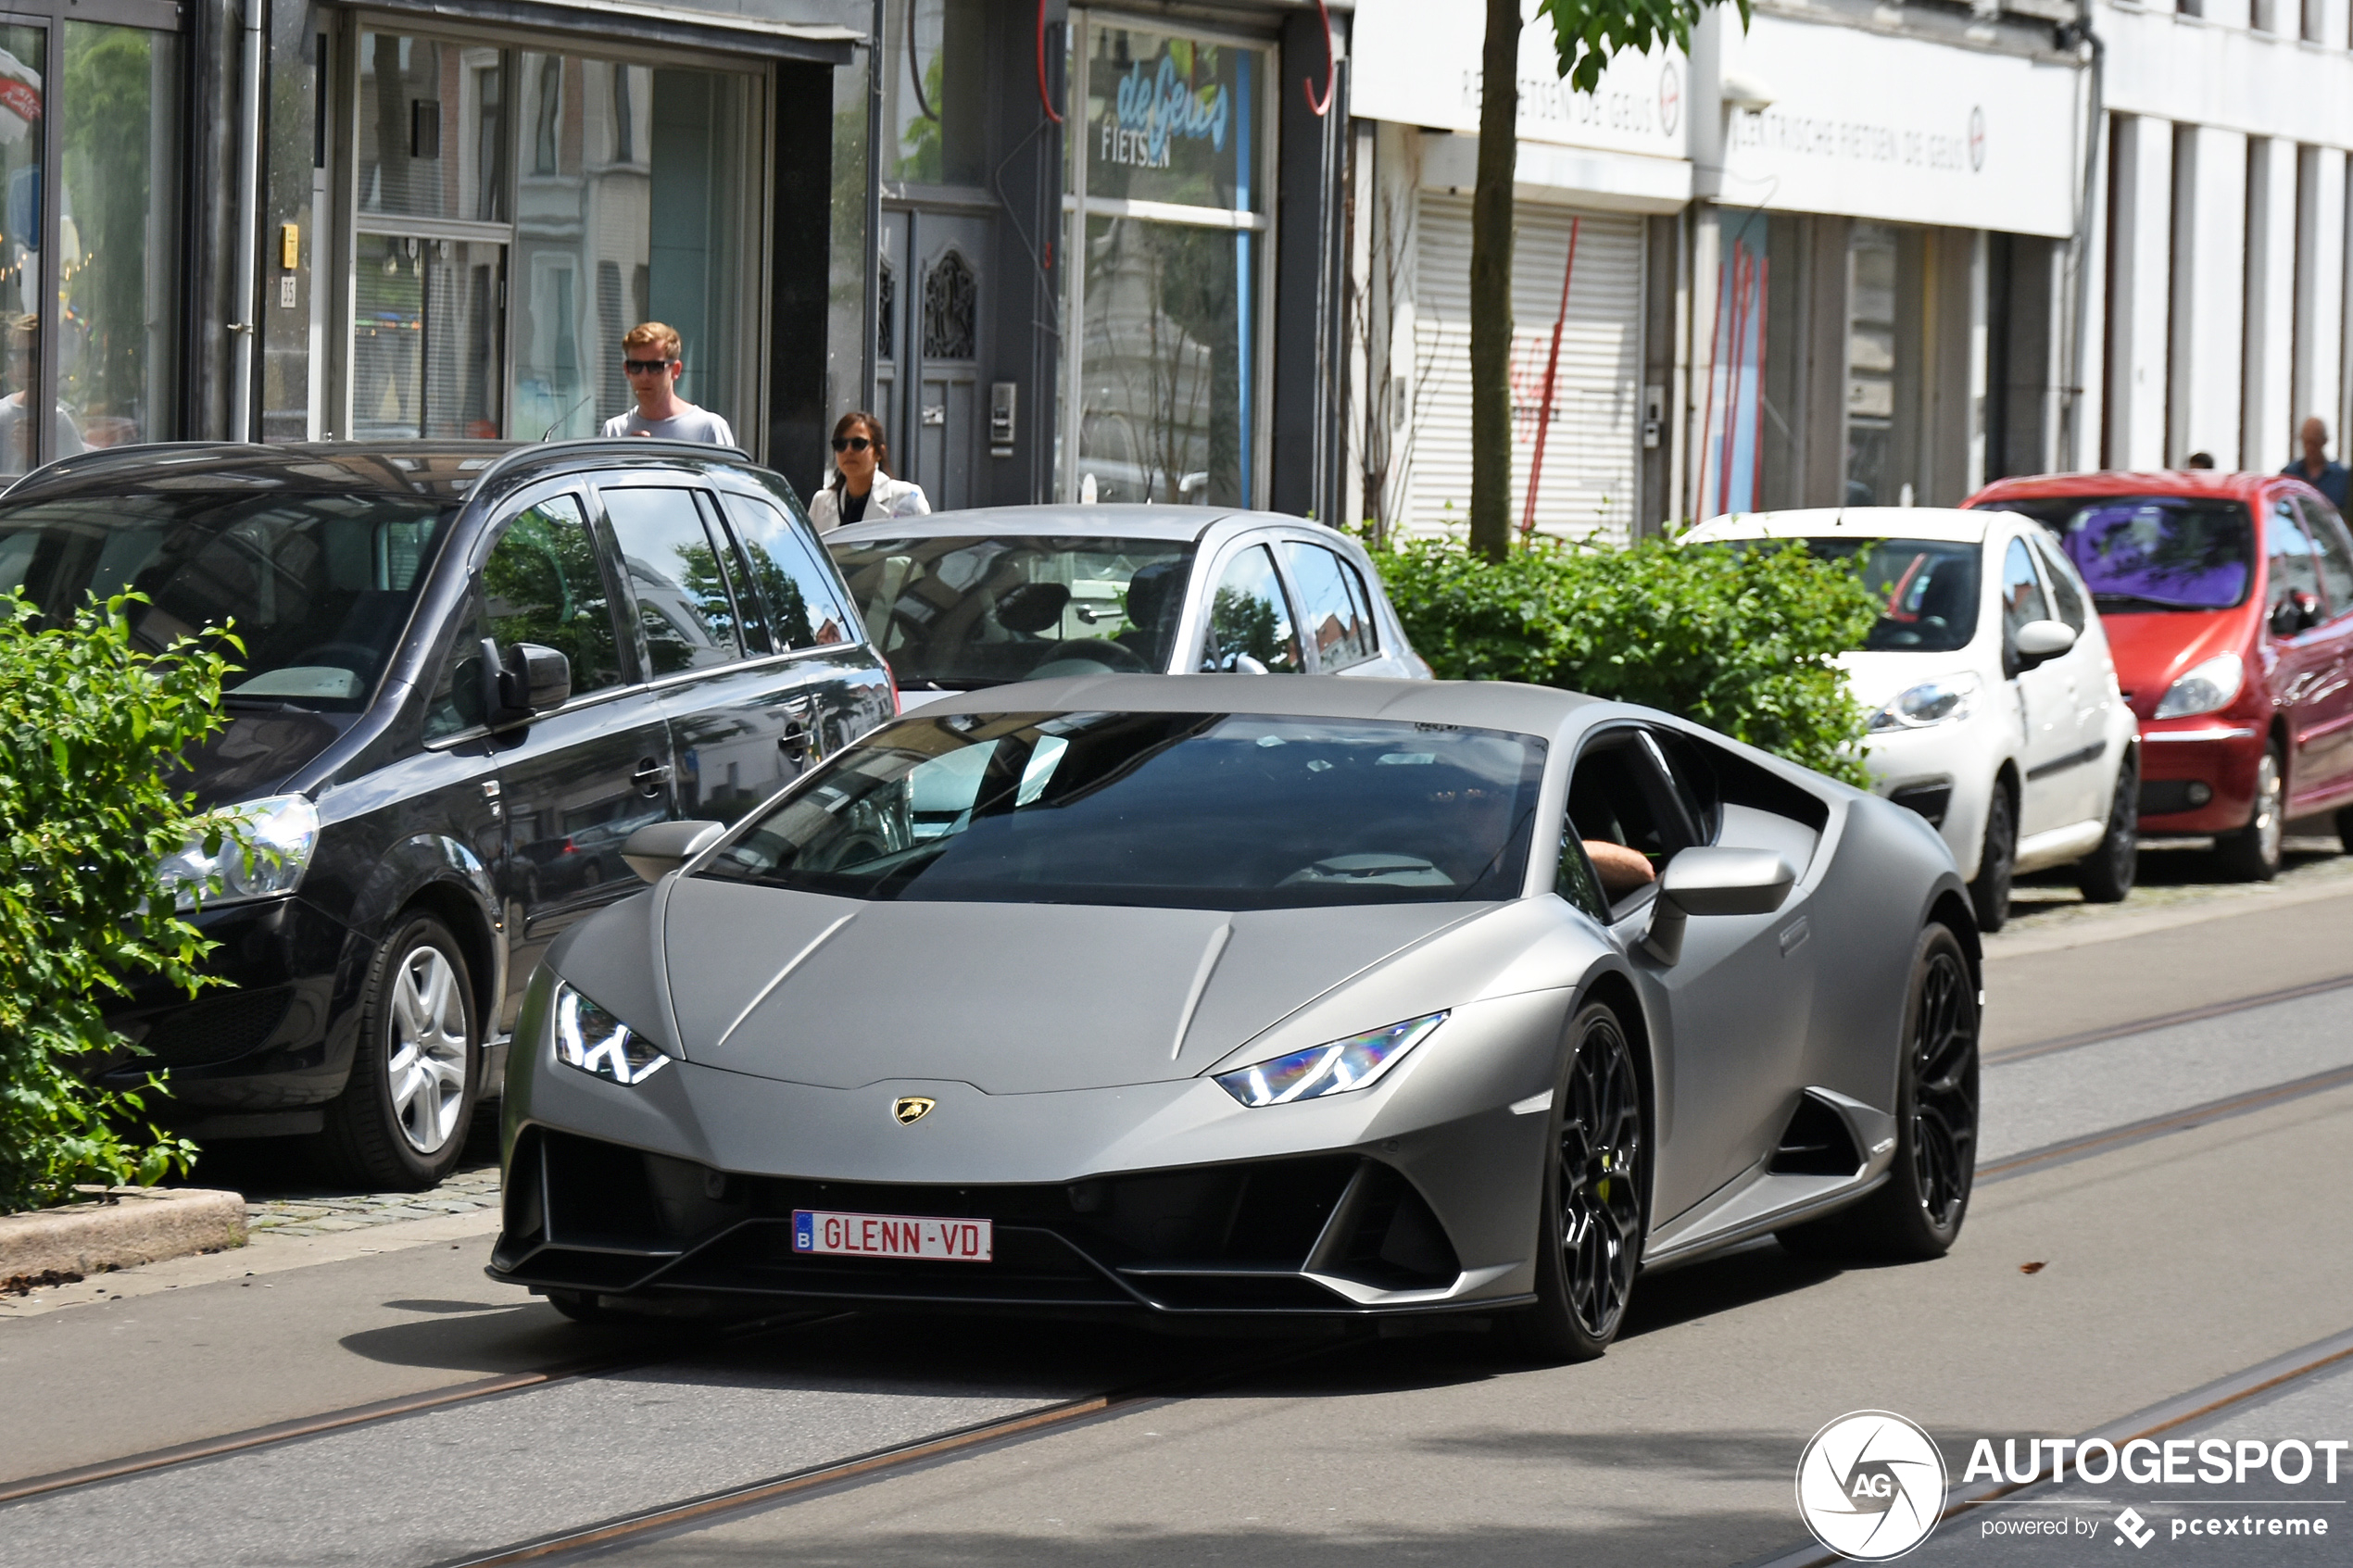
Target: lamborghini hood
pixel 1012 999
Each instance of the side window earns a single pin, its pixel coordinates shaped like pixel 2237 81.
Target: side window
pixel 804 610
pixel 455 703
pixel 543 585
pixel 2293 564
pixel 2023 598
pixel 2060 575
pixel 1332 603
pixel 1249 618
pixel 2337 554
pixel 1575 881
pixel 1629 819
pixel 685 606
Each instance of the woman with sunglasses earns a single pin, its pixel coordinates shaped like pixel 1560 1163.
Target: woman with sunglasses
pixel 862 488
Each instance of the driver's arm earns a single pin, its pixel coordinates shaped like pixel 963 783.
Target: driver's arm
pixel 1622 869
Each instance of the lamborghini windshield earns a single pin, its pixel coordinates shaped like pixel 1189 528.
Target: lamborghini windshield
pixel 1190 811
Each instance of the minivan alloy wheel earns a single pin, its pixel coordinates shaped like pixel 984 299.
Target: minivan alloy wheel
pixel 427 1069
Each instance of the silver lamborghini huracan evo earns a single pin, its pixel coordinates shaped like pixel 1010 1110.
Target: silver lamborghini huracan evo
pixel 1230 996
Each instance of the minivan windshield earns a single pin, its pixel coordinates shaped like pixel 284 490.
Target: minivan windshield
pixel 2143 553
pixel 1174 810
pixel 957 614
pixel 318 587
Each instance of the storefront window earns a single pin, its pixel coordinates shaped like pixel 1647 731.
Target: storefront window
pixel 1872 262
pixel 21 121
pixel 1170 169
pixel 935 91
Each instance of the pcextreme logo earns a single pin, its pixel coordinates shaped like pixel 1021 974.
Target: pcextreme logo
pixel 1870 1486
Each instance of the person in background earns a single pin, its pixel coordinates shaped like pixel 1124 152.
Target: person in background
pixel 861 487
pixel 652 357
pixel 17 427
pixel 2330 479
pixel 2199 461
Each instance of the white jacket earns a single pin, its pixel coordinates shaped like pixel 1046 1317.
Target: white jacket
pixel 889 497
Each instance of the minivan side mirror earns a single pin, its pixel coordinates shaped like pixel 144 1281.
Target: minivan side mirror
pixel 2297 611
pixel 2041 641
pixel 522 682
pixel 1713 880
pixel 658 849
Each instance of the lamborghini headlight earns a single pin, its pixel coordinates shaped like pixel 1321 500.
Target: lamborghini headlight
pixel 1331 1068
pixel 595 1041
pixel 279 833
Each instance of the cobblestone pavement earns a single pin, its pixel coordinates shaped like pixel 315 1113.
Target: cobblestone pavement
pixel 2172 874
pixel 320 1211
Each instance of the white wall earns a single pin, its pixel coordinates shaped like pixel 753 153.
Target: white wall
pixel 2268 417
pixel 2138 302
pixel 2208 294
pixel 2319 355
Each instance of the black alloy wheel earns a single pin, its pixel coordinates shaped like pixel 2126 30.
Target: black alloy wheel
pixel 2252 854
pixel 1990 893
pixel 1917 1213
pixel 400 1124
pixel 2106 875
pixel 1595 1188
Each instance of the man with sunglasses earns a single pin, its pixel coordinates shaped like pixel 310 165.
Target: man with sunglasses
pixel 650 356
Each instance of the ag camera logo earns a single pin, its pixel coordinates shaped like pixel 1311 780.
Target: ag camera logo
pixel 1870 1486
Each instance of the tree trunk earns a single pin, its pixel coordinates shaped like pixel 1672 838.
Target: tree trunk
pixel 1491 284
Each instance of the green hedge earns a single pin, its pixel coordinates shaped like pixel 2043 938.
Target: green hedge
pixel 91 727
pixel 1739 640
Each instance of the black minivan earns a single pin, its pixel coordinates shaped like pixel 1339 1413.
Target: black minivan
pixel 471 671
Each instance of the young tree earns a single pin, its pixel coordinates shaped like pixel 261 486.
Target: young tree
pixel 1587 34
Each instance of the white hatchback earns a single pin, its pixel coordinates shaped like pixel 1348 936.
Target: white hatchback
pixel 1995 709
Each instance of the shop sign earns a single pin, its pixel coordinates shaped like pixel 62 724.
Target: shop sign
pixel 1900 129
pixel 1417 62
pixel 1170 119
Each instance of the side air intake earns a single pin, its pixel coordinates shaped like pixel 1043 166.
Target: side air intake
pixel 1816 1142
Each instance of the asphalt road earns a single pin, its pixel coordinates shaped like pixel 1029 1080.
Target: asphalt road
pixel 2089 1284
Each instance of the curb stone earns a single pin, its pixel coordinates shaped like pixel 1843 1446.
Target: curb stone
pixel 132 1225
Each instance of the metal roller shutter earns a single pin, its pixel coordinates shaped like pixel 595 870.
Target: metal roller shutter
pixel 1591 457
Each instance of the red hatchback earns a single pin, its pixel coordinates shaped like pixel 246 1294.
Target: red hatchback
pixel 2228 601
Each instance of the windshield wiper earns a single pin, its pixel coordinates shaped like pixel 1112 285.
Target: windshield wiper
pixel 2128 601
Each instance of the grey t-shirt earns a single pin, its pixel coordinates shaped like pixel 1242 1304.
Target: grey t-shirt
pixel 690 424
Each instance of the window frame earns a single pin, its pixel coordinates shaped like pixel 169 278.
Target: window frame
pixel 1288 540
pixel 2325 529
pixel 692 486
pixel 1207 597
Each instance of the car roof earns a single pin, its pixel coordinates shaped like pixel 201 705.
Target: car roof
pixel 2218 482
pixel 1496 705
pixel 441 471
pixel 1829 522
pixel 1100 522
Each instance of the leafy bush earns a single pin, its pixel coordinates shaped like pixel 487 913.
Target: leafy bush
pixel 92 727
pixel 1739 640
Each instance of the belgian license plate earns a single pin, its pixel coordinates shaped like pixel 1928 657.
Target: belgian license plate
pixel 891 1236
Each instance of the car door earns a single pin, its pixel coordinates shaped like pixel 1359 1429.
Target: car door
pixel 2332 743
pixel 2089 680
pixel 1736 999
pixel 2045 700
pixel 738 727
pixel 2308 654
pixel 576 782
pixel 1248 623
pixel 813 663
pixel 1336 610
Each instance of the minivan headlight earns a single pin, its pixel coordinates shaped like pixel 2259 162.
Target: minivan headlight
pixel 600 1044
pixel 280 833
pixel 1931 703
pixel 2204 688
pixel 1353 1064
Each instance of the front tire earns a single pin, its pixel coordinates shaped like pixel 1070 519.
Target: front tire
pixel 2252 854
pixel 2106 875
pixel 400 1124
pixel 1988 895
pixel 1597 1179
pixel 1917 1213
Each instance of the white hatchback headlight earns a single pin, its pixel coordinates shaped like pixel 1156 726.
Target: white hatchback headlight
pixel 600 1044
pixel 1943 701
pixel 281 832
pixel 2204 688
pixel 1352 1063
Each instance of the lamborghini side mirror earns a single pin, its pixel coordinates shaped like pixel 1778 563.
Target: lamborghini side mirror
pixel 1713 880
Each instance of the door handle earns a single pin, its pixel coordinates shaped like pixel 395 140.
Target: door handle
pixel 651 774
